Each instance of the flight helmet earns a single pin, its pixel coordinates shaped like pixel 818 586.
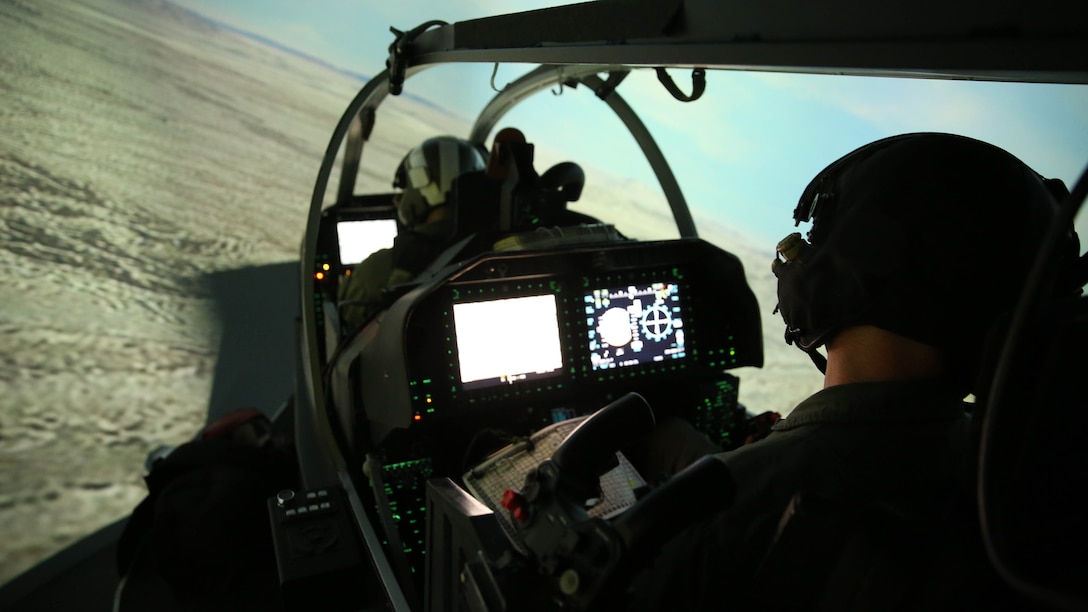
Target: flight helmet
pixel 929 236
pixel 427 172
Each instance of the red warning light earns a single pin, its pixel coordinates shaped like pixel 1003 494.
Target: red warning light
pixel 418 418
pixel 319 275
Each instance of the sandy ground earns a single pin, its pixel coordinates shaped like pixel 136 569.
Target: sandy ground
pixel 142 150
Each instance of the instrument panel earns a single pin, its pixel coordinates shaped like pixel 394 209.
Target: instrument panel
pixel 548 327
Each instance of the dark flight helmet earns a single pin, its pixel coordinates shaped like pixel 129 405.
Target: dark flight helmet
pixel 427 172
pixel 930 236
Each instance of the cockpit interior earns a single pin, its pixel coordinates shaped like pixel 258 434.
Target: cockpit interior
pixel 536 335
pixel 471 443
pixel 513 332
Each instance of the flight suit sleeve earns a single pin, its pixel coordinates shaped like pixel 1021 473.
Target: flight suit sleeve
pixel 360 293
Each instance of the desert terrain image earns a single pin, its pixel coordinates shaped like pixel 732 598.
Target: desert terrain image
pixel 147 155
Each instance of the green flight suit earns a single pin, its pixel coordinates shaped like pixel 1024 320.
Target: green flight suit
pixel 360 294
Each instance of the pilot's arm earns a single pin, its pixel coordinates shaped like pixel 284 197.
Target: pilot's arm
pixel 360 294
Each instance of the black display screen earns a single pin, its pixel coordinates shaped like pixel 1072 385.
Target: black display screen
pixel 634 325
pixel 507 341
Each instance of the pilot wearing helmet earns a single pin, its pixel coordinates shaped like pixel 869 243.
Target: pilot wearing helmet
pixel 919 247
pixel 425 175
pixel 428 175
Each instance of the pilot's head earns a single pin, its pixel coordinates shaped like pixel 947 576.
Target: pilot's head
pixel 427 173
pixel 498 164
pixel 928 236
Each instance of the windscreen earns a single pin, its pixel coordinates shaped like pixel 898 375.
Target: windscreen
pixel 358 239
pixel 507 341
pixel 635 324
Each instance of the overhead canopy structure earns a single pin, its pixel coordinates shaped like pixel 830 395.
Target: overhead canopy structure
pixel 1044 41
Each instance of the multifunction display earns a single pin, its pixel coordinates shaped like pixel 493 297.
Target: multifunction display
pixel 507 341
pixel 634 324
pixel 358 239
pixel 549 333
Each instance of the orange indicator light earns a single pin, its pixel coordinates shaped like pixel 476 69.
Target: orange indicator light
pixel 419 418
pixel 319 275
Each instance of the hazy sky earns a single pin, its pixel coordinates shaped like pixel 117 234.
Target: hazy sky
pixel 743 153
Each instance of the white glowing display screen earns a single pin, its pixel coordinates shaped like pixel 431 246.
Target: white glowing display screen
pixel 358 239
pixel 507 341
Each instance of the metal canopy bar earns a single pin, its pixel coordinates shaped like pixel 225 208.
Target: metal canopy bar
pixel 353 155
pixel 547 76
pixel 369 97
pixel 1062 61
pixel 524 86
pixel 373 545
pixel 603 21
pixel 636 22
pixel 680 211
pixel 1041 41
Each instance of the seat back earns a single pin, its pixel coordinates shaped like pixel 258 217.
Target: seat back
pixel 842 555
pixel 1035 459
pixel 839 555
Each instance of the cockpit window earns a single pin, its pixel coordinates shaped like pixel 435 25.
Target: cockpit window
pixel 741 154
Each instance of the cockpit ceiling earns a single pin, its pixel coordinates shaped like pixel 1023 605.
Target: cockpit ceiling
pixel 1038 42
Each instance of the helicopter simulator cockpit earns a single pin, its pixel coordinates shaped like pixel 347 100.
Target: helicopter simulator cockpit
pixel 531 318
pixel 472 442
